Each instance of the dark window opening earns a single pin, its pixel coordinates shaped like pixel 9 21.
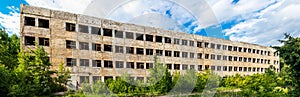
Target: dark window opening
pixel 240 59
pixel 84 79
pixel 83 46
pixel 192 67
pixel 206 45
pixel 29 21
pixel 230 68
pixel 176 41
pixel 168 40
pixel 96 78
pixel 199 67
pixel 149 51
pixel 96 47
pixel 139 65
pixel 235 68
pixel 169 66
pixel 43 23
pixel 184 67
pixel 249 69
pixel 199 56
pixel 96 63
pixel 139 36
pixel 229 48
pixel 158 39
pixel 44 41
pixel 108 64
pixel 206 56
pixel 240 68
pixel 219 46
pixel 192 55
pixel 70 27
pixel 83 28
pixel 235 48
pixel 219 68
pixel 129 35
pixel 199 44
pixel 235 58
pixel 253 51
pixel 119 49
pixel 96 30
pixel 119 64
pixel 159 52
pixel 71 61
pixel 176 54
pixel 245 50
pixel 245 59
pixel 206 67
pixel 70 44
pixel 176 66
pixel 106 78
pixel 29 40
pixel 149 65
pixel 184 55
pixel 118 34
pixel 149 37
pixel 184 42
pixel 107 32
pixel 249 50
pixel 224 47
pixel 219 57
pixel 224 57
pixel 240 49
pixel 129 50
pixel 84 62
pixel 140 51
pixel 224 68
pixel 168 53
pixel 108 48
pixel 213 57
pixel 130 65
pixel 245 69
pixel 230 58
pixel 253 61
pixel 191 43
pixel 212 45
pixel 213 68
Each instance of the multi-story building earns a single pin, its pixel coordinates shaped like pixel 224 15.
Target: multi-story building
pixel 94 48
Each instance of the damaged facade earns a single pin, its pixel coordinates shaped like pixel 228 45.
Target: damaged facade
pixel 98 49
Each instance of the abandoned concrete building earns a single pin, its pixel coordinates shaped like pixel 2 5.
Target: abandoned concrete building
pixel 98 49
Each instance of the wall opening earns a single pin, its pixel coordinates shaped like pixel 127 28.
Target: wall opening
pixel 43 23
pixel 29 40
pixel 29 21
pixel 70 27
pixel 108 48
pixel 96 30
pixel 44 41
pixel 83 28
pixel 107 32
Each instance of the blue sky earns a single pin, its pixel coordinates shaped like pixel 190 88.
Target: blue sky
pixel 255 21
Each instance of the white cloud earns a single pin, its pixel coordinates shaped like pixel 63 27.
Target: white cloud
pixel 11 21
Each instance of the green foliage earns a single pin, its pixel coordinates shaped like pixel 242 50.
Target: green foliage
pixel 9 49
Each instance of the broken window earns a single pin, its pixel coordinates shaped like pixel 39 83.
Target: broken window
pixel 213 57
pixel 212 45
pixel 184 42
pixel 235 58
pixel 191 43
pixel 249 59
pixel 245 50
pixel 199 56
pixel 192 55
pixel 184 67
pixel 83 28
pixel 219 57
pixel 245 69
pixel 139 36
pixel 176 41
pixel 206 56
pixel 213 68
pixel 206 45
pixel 199 67
pixel 149 51
pixel 84 79
pixel 149 37
pixel 149 65
pixel 169 66
pixel 96 47
pixel 158 39
pixel 224 68
pixel 219 68
pixel 71 62
pixel 199 44
pixel 96 30
pixel 119 64
pixel 29 21
pixel 176 66
pixel 184 55
pixel 168 53
pixel 108 64
pixel 235 68
pixel 257 51
pixel 44 41
pixel 240 68
pixel 230 58
pixel 70 27
pixel 240 59
pixel 249 69
pixel 96 63
pixel 249 50
pixel 107 32
pixel 176 54
pixel 229 48
pixel 192 67
pixel 129 50
pixel 130 65
pixel 253 69
pixel 245 59
pixel 224 57
pixel 129 35
pixel 83 46
pixel 84 62
pixel 70 44
pixel 140 51
pixel 43 23
pixel 253 61
pixel 253 51
pixel 219 46
pixel 230 68
pixel 159 52
pixel 224 47
pixel 119 49
pixel 118 34
pixel 29 40
pixel 139 65
pixel 108 48
pixel 240 49
pixel 235 48
pixel 96 78
pixel 168 40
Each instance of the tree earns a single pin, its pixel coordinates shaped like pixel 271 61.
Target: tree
pixel 9 49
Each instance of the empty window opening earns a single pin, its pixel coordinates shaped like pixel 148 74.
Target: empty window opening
pixel 206 56
pixel 249 50
pixel 176 41
pixel 96 30
pixel 199 56
pixel 29 40
pixel 224 47
pixel 129 35
pixel 184 54
pixel 70 27
pixel 107 32
pixel 118 34
pixel 158 39
pixel 96 47
pixel 219 57
pixel 43 23
pixel 192 55
pixel 213 57
pixel 224 68
pixel 257 51
pixel 240 68
pixel 168 40
pixel 44 41
pixel 253 69
pixel 230 68
pixel 83 46
pixel 219 68
pixel 159 52
pixel 129 50
pixel 140 51
pixel 176 54
pixel 184 42
pixel 235 58
pixel 240 49
pixel 253 61
pixel 224 57
pixel 108 64
pixel 84 62
pixel 84 79
pixel 119 64
pixel 199 67
pixel 235 68
pixel 168 53
pixel 245 69
pixel 245 50
pixel 149 38
pixel 241 59
pixel 219 46
pixel 96 63
pixel 149 65
pixel 206 45
pixel 83 28
pixel 29 21
pixel 258 69
pixel 249 69
pixel 212 45
pixel 130 65
pixel 230 58
pixel 176 66
pixel 192 67
pixel 96 78
pixel 139 36
pixel 149 51
pixel 206 67
pixel 119 49
pixel 169 66
pixel 70 44
pixel 253 51
pixel 249 59
pixel 108 48
pixel 139 65
pixel 71 61
pixel 184 67
pixel 245 59
pixel 199 44
pixel 235 48
pixel 213 68
pixel 229 48
pixel 192 43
